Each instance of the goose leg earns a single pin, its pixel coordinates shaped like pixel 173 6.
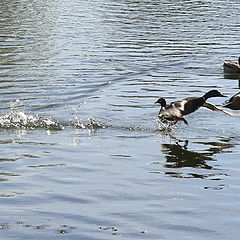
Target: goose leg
pixel 178 119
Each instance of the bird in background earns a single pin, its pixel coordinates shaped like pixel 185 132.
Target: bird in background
pixel 175 111
pixel 231 67
pixel 233 103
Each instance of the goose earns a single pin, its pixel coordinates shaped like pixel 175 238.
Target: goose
pixel 176 110
pixel 234 102
pixel 231 67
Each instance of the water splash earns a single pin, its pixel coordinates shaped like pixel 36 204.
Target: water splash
pixel 89 123
pixel 164 126
pixel 20 120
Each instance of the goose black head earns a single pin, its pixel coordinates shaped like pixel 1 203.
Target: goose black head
pixel 162 102
pixel 213 93
pixel 239 61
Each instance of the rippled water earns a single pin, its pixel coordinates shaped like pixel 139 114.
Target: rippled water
pixel 82 155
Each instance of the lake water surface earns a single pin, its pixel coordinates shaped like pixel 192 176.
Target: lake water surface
pixel 81 152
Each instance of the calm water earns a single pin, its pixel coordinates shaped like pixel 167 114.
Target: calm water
pixel 81 154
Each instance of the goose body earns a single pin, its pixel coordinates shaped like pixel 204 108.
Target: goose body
pixel 176 110
pixel 231 67
pixel 169 112
pixel 234 102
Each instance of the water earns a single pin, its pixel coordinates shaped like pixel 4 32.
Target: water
pixel 82 155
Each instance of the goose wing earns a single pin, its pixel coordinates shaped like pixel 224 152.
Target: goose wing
pixel 189 105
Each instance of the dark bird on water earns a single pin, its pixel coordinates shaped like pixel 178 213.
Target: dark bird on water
pixel 231 67
pixel 175 111
pixel 234 102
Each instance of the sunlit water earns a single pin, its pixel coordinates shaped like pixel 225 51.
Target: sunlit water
pixel 82 154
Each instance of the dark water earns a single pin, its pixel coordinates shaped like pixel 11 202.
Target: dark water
pixel 82 155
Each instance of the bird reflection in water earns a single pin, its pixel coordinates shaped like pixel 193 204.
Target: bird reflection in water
pixel 232 77
pixel 178 157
